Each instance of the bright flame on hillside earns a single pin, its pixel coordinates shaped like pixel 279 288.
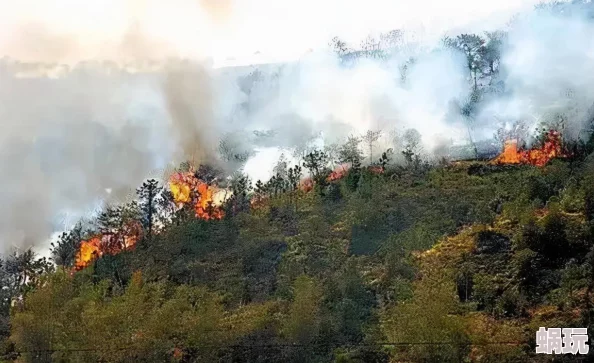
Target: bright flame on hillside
pixel 551 148
pixel 204 207
pixel 187 188
pixel 107 244
pixel 88 251
pixel 338 173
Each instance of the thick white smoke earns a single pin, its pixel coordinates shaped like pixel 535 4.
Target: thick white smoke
pixel 319 97
pixel 93 133
pixel 74 136
pixel 548 70
pixel 90 105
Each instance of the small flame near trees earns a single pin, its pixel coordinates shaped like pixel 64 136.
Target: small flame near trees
pixel 551 148
pixel 107 244
pixel 338 173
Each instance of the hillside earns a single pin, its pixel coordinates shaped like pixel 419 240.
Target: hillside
pixel 453 262
pixel 426 192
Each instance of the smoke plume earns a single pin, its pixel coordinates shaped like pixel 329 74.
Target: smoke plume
pixel 87 118
pixel 548 69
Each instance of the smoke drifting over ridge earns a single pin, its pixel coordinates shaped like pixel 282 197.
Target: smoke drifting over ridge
pixel 89 132
pixel 548 68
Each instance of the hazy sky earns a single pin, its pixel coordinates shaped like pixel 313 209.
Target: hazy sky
pixel 98 106
pixel 70 30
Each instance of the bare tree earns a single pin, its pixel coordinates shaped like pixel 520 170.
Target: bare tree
pixel 370 137
pixel 339 47
pixel 281 167
pixel 231 150
pixel 371 47
pixel 331 151
pixel 518 130
pixel 391 40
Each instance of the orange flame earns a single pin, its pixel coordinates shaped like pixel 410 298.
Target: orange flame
pixel 87 252
pixel 338 173
pixel 306 185
pixel 107 244
pixel 551 148
pixel 204 205
pixel 181 186
pixel 342 170
pixel 187 188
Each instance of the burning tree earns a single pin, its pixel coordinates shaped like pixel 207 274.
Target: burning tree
pixel 120 228
pixel 338 173
pixel 109 243
pixel 188 189
pixel 65 249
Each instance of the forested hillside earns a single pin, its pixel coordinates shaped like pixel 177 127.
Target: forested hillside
pixel 354 252
pixel 452 262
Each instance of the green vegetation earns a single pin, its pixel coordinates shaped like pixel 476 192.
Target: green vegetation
pixel 419 263
pixel 398 260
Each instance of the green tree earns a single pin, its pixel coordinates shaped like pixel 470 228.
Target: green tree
pixel 492 51
pixel 385 159
pixel 65 248
pixel 148 194
pixel 412 148
pixel 239 201
pixel 429 323
pixel 315 161
pixel 350 153
pixel 473 48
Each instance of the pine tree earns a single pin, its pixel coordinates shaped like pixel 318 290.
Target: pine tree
pixel 385 159
pixel 294 176
pixel 350 153
pixel 315 161
pixel 64 250
pixel 370 137
pixel 148 195
pixel 239 201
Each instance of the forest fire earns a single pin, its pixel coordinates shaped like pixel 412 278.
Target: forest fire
pixel 338 173
pixel 306 184
pixel 204 207
pixel 107 244
pixel 550 149
pixel 187 188
pixel 88 251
